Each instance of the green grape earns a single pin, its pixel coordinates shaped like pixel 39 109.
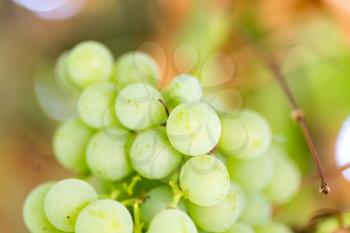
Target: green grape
pixel 152 155
pixel 286 179
pixel 158 199
pixel 107 156
pixel 327 226
pixel 69 144
pixel 254 174
pixel 174 221
pixel 107 216
pixel 62 78
pixel 135 67
pixel 240 228
pixel 65 200
pixel 88 63
pixel 257 210
pixel 138 106
pixel 219 217
pixel 273 227
pixel 193 129
pixel 33 211
pixel 96 105
pixel 183 89
pixel 205 180
pixel 244 135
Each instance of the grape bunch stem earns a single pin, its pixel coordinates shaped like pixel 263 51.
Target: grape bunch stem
pixel 178 193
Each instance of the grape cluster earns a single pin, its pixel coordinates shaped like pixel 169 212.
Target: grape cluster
pixel 156 161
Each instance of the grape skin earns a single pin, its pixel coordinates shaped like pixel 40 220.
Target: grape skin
pixel 107 156
pixel 240 228
pixel 136 67
pixel 152 156
pixel 286 178
pixel 138 107
pixel 193 129
pixel 61 75
pixel 257 210
pixel 219 217
pixel 96 105
pixel 88 63
pixel 244 135
pixel 205 180
pixel 65 200
pixel 158 199
pixel 33 211
pixel 252 175
pixel 69 145
pixel 183 88
pixel 174 221
pixel 107 216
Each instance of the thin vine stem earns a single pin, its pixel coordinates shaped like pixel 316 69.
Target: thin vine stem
pixel 177 192
pixel 297 113
pixel 138 226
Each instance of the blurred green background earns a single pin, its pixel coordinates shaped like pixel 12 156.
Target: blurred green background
pixel 309 37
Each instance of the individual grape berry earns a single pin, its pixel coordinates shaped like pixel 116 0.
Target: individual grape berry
pixel 174 221
pixel 107 216
pixel 136 67
pixel 257 210
pixel 96 106
pixel 219 217
pixel 193 129
pixel 88 63
pixel 69 145
pixel 183 89
pixel 205 180
pixel 65 200
pixel 138 106
pixel 244 135
pixel 107 156
pixel 286 178
pixel 152 155
pixel 252 175
pixel 240 228
pixel 158 199
pixel 33 211
pixel 61 75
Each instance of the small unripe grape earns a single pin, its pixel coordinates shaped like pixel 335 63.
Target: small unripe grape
pixel 183 89
pixel 65 200
pixel 107 156
pixel 33 211
pixel 205 180
pixel 158 199
pixel 219 217
pixel 136 67
pixel 152 155
pixel 172 221
pixel 193 129
pixel 257 210
pixel 88 63
pixel 69 145
pixel 138 106
pixel 244 135
pixel 96 105
pixel 107 216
